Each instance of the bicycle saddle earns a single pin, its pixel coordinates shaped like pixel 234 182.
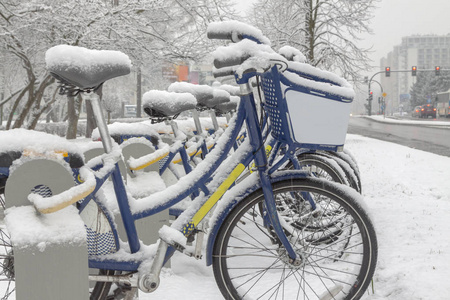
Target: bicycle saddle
pixel 162 104
pixel 202 93
pixel 85 68
pixel 7 158
pixel 219 97
pixel 223 108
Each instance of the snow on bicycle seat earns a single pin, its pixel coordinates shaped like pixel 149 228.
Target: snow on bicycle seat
pixel 231 89
pixel 223 108
pixel 202 93
pixel 85 68
pixel 37 144
pixel 163 104
pixel 219 97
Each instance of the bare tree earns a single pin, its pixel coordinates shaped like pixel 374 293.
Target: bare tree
pixel 326 31
pixel 167 30
pixel 111 104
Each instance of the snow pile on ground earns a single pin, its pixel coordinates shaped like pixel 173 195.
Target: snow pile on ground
pixel 430 122
pixel 408 193
pixel 27 228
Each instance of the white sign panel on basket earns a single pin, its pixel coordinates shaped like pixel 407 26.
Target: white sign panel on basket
pixel 317 120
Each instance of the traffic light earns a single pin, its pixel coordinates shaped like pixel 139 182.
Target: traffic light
pixel 414 71
pixel 388 71
pixel 370 96
pixel 437 70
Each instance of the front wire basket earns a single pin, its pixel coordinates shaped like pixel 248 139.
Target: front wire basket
pixel 302 117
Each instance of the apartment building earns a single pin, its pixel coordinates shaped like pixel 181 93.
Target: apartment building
pixel 423 51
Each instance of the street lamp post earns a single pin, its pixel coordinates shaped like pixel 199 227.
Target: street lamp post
pixel 370 99
pixel 381 88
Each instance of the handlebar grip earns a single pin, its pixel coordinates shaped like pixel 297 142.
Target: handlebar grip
pixel 232 36
pixel 223 72
pixel 219 35
pixel 230 61
pixel 235 31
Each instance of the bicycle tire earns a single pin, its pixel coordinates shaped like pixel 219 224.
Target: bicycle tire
pixel 7 276
pixel 348 164
pixel 101 289
pixel 351 177
pixel 324 270
pixel 321 167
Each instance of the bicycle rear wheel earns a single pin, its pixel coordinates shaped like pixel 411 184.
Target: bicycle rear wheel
pixel 321 167
pixel 336 243
pixel 348 165
pixel 7 276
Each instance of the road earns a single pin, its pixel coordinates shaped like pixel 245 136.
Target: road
pixel 426 138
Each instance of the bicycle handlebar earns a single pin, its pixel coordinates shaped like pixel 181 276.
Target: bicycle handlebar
pixel 231 36
pixel 235 31
pixel 223 72
pixel 230 61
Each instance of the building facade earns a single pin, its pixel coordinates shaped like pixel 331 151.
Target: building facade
pixel 423 51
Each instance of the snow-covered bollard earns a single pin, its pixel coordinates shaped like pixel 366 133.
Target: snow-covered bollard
pixel 50 253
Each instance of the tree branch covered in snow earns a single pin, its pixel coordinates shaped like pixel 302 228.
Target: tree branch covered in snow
pixel 427 86
pixel 158 30
pixel 326 31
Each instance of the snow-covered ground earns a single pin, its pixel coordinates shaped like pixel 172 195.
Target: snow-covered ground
pixel 408 194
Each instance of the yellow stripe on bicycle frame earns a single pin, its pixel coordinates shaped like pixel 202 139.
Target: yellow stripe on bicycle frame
pixel 217 194
pixel 252 166
pixel 150 162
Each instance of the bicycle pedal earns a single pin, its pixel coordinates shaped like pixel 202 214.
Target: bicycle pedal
pixel 199 244
pixel 173 238
pixel 190 252
pixel 177 246
pixel 195 251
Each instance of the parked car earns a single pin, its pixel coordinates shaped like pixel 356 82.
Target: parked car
pixel 416 111
pixel 428 110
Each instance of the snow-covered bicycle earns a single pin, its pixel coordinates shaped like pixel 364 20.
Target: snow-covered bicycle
pixel 275 235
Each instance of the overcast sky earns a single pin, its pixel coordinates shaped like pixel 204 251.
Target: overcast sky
pixel 397 18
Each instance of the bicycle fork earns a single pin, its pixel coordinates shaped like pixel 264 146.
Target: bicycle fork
pixel 257 142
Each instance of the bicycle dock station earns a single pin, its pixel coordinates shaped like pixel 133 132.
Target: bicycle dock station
pixel 47 249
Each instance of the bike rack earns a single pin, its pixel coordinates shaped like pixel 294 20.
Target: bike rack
pixel 50 251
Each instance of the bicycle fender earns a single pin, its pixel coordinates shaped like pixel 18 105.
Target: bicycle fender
pixel 234 196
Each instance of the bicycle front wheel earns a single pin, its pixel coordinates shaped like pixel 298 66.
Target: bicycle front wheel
pixel 335 241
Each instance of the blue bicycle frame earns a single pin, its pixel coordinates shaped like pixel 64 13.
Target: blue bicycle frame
pixel 186 223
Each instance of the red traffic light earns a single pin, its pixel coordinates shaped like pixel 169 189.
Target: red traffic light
pixel 414 71
pixel 387 71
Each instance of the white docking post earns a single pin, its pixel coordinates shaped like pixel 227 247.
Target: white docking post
pixel 50 251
